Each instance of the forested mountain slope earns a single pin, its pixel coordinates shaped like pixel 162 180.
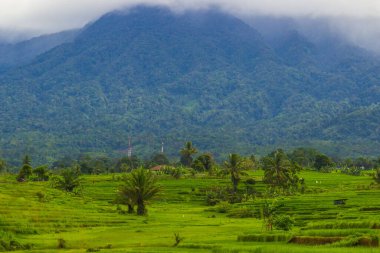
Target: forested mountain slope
pixel 201 76
pixel 17 54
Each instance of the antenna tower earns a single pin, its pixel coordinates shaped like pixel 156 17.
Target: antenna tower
pixel 129 148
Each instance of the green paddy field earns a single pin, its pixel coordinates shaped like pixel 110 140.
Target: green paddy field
pixel 37 216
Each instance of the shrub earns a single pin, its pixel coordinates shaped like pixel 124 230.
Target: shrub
pixel 314 240
pixel 177 173
pixel 355 171
pixel 358 240
pixel 177 239
pixel 41 196
pixel 61 243
pixel 263 238
pixel 217 194
pixel 326 169
pixel 212 199
pixel 41 173
pixel 376 176
pixel 92 250
pixel 69 180
pixel 235 198
pixel 243 212
pixel 283 222
pixel 223 207
pixel 13 245
pixel 174 172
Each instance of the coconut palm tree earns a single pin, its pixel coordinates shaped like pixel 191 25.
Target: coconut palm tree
pixel 69 180
pixel 279 172
pixel 187 153
pixel 139 187
pixel 235 167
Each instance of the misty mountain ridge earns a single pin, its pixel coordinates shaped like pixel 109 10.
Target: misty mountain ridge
pixel 202 76
pixel 23 52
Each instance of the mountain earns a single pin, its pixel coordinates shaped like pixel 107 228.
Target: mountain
pixel 203 76
pixel 16 54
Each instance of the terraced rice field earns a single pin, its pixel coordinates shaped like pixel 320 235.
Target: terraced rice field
pixel 35 214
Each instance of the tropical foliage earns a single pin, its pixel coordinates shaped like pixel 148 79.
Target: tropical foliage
pixel 235 167
pixel 69 180
pixel 204 162
pixel 376 176
pixel 187 153
pixel 139 187
pixel 279 172
pixel 232 93
pixel 26 170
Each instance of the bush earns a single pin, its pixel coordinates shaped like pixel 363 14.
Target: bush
pixel 223 207
pixel 358 240
pixel 235 198
pixel 92 250
pixel 61 243
pixel 212 199
pixel 283 222
pixel 41 196
pixel 13 245
pixel 174 172
pixel 326 169
pixel 352 171
pixel 376 176
pixel 314 240
pixel 243 212
pixel 263 238
pixel 177 239
pixel 69 180
pixel 215 195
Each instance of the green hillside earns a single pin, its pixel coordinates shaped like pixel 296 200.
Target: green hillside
pixel 201 76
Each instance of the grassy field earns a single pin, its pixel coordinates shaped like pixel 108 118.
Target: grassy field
pixel 35 214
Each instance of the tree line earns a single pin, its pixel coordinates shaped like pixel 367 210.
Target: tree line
pixel 281 172
pixel 189 156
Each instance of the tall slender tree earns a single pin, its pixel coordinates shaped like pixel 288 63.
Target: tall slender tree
pixel 26 169
pixel 187 153
pixel 376 176
pixel 269 212
pixel 279 172
pixel 3 165
pixel 235 167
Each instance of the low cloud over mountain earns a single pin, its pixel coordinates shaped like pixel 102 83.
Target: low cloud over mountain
pixel 356 21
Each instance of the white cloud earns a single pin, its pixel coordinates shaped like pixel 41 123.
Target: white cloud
pixel 51 15
pixel 356 19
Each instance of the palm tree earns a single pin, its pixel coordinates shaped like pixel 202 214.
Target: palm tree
pixel 186 154
pixel 69 180
pixel 125 198
pixel 279 172
pixel 139 187
pixel 376 176
pixel 235 166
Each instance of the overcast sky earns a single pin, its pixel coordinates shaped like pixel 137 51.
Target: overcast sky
pixel 357 19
